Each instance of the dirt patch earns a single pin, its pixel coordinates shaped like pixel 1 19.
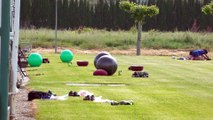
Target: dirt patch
pixel 24 110
pixel 151 52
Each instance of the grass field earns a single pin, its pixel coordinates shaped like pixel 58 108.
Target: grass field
pixel 89 38
pixel 175 89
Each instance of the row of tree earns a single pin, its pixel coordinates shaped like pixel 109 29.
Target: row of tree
pixel 72 14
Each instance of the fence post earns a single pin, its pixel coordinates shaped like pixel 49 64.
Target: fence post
pixel 13 56
pixel 4 57
pixel 56 25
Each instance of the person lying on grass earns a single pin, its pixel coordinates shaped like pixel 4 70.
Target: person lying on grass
pixel 200 54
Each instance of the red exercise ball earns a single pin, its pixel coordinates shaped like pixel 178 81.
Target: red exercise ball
pixel 100 72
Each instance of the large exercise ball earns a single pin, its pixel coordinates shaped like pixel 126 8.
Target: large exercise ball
pixel 34 60
pixel 108 63
pixel 99 55
pixel 66 56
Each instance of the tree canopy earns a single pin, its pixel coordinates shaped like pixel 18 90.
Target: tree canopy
pixel 208 8
pixel 139 12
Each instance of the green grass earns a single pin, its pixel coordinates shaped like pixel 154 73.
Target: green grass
pixel 98 39
pixel 175 89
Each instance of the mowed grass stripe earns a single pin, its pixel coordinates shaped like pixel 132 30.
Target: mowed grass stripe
pixel 175 89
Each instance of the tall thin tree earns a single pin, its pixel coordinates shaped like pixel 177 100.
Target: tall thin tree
pixel 139 13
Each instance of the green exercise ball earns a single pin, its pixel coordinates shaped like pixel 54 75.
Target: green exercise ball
pixel 66 56
pixel 34 59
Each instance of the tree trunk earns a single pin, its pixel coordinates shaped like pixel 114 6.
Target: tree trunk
pixel 139 38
